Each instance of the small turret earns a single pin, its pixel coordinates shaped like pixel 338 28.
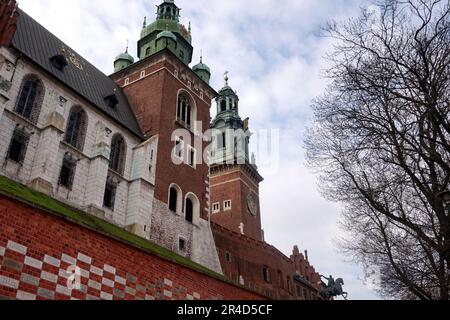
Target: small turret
pixel 202 70
pixel 123 60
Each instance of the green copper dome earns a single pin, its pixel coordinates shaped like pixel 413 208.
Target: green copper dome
pixel 202 70
pixel 123 61
pixel 201 67
pixel 125 56
pixel 166 34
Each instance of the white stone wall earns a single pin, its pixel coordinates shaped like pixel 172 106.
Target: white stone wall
pixel 46 150
pixel 168 227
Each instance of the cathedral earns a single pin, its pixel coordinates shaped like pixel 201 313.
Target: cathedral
pixel 138 148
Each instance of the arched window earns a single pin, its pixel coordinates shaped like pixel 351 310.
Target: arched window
pixel 185 110
pixel 30 98
pixel 118 154
pixel 76 128
pixel 189 211
pixel 173 199
pixel 223 106
pixel 192 208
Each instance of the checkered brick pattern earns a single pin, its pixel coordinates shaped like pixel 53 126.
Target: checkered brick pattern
pixel 34 277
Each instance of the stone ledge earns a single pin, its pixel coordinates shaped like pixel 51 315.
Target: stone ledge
pixel 41 185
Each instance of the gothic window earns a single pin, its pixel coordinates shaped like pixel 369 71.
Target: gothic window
pixel 76 128
pixel 184 110
pixel 266 274
pixel 109 198
pixel 228 257
pixel 118 154
pixel 189 211
pixel 173 199
pixel 67 172
pixel 18 145
pixel 30 99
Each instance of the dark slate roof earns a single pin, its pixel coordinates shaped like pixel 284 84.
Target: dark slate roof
pixel 39 45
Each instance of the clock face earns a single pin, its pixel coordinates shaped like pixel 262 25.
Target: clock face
pixel 252 205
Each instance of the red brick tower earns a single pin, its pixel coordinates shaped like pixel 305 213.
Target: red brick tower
pixel 235 181
pixel 172 104
pixel 8 20
pixel 166 96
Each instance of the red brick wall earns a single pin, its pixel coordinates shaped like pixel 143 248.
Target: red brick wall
pixel 36 248
pixel 249 257
pixel 8 20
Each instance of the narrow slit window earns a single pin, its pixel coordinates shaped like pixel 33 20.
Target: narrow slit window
pixel 182 245
pixel 192 156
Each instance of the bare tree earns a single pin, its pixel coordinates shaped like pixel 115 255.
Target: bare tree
pixel 381 140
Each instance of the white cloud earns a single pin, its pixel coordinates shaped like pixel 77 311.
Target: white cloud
pixel 274 55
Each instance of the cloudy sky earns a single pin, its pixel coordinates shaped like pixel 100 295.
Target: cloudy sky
pixel 274 53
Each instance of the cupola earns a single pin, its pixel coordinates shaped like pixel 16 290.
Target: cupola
pixel 202 70
pixel 123 60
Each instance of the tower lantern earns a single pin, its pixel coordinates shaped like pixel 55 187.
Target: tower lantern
pixel 167 25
